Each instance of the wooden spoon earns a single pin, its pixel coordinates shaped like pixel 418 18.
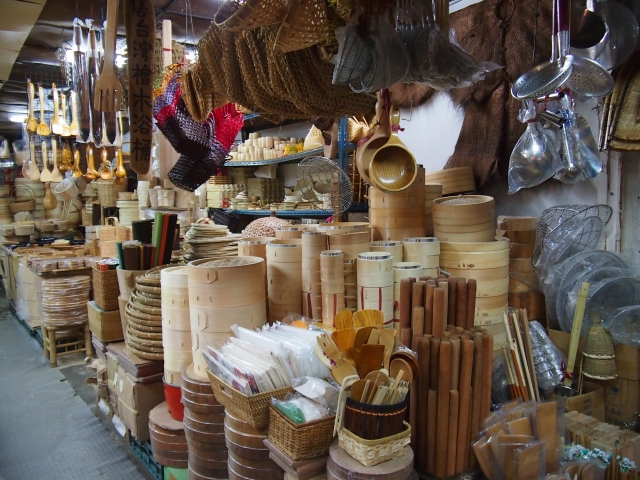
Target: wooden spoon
pixel 344 319
pixel 370 359
pixel 120 171
pixel 341 370
pixel 105 173
pixel 400 364
pixel 358 389
pixel 387 338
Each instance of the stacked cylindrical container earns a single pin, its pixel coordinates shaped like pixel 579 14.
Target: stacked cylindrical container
pixel 284 278
pixel 176 323
pixel 488 264
pixel 350 285
pixel 425 251
pixel 394 247
pixel 465 218
pixel 332 283
pixel 312 244
pixel 375 283
pixel 398 215
pixel 402 270
pixel 256 247
pixel 431 192
pixel 223 293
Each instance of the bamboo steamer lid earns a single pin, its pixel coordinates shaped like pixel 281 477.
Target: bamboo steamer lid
pixel 336 228
pixel 453 180
pixel 284 251
pixel 492 246
pixel 395 248
pixel 463 206
pixel 221 319
pixel 253 246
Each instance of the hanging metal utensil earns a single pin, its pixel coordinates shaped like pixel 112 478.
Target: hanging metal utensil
pixel 94 74
pixel 81 77
pixel 572 170
pixel 587 28
pixel 588 147
pixel 547 77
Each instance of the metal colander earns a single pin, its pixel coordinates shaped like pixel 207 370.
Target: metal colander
pixel 554 217
pixel 320 174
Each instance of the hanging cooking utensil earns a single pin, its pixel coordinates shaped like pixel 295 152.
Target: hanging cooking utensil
pixel 32 158
pixel 45 174
pixel 120 171
pixel 587 28
pixel 381 133
pixel 548 76
pixel 32 123
pixel 94 75
pixel 105 171
pixel 82 107
pixel 91 173
pixel 43 128
pixel 73 126
pixel 77 173
pixel 34 171
pixel 66 130
pixel 588 147
pixel 108 90
pixel 56 176
pixel 55 125
pixel 572 170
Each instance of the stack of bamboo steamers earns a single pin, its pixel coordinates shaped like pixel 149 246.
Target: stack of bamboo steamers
pixel 452 394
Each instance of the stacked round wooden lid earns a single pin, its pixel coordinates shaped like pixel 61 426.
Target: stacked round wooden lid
pixel 488 264
pixel 248 456
pixel 223 293
pixel 431 192
pixel 453 180
pixel 203 428
pixel 312 244
pixel 168 441
pixel 284 277
pixel 341 466
pixel 144 317
pixel 394 216
pixel 176 323
pixel 465 218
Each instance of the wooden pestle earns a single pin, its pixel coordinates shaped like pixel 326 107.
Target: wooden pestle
pixel 445 312
pixel 452 303
pixel 476 384
pixel 472 287
pixel 417 321
pixel 444 380
pixel 455 362
pixel 438 312
pixel 405 302
pixel 432 440
pixel 424 357
pixel 461 300
pixel 464 410
pixel 453 432
pixel 428 309
pixel 435 363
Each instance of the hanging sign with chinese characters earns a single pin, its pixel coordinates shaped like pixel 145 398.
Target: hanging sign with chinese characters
pixel 140 21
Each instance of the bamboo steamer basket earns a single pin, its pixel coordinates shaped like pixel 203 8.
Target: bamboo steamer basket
pixel 312 286
pixel 177 341
pixel 289 232
pixel 425 251
pixel 375 269
pixel 464 218
pixel 490 317
pixel 284 251
pixel 453 180
pixel 337 228
pixel 493 246
pixel 472 261
pixel 382 200
pixel 313 243
pixel 254 247
pixel 332 272
pixel 491 303
pixel 284 277
pixel 220 320
pixel 431 192
pixel 403 270
pixel 395 248
pixel 312 305
pixel 351 244
pixel 332 303
pixel 174 283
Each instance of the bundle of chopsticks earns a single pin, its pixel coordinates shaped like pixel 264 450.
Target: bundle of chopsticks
pixel 207 240
pixel 518 357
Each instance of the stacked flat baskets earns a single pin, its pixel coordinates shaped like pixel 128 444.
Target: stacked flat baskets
pixel 402 270
pixel 488 264
pixel 203 428
pixel 143 333
pixel 176 323
pixel 375 283
pixel 431 192
pixel 168 441
pixel 332 283
pixel 312 244
pixel 284 277
pixel 425 251
pixel 248 456
pixel 223 293
pixel 64 301
pixel 453 180
pixel 465 218
pixel 394 247
pixel 398 215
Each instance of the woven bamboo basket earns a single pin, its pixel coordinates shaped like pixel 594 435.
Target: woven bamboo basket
pixel 374 452
pixel 305 25
pixel 106 289
pixel 253 409
pixel 237 15
pixel 599 354
pixel 299 442
pixel 108 191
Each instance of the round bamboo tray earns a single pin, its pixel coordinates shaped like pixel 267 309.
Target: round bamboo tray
pixel 395 248
pixel 453 180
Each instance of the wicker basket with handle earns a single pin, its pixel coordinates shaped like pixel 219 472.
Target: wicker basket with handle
pixel 299 442
pixel 106 289
pixel 374 452
pixel 253 410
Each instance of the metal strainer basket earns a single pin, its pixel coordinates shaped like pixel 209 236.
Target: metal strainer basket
pixel 554 217
pixel 320 174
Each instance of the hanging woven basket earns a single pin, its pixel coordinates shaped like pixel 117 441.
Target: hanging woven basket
pixel 304 26
pixel 237 15
pixel 599 354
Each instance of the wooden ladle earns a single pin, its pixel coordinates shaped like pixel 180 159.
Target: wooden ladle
pixel 380 136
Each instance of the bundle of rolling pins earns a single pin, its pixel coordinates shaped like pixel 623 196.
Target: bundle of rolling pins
pixel 452 394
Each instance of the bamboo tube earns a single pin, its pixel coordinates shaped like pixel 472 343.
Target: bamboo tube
pixel 438 312
pixel 476 384
pixel 487 357
pixel 527 338
pixel 445 307
pixel 428 309
pixel 461 301
pixel 514 355
pixel 417 294
pixel 444 378
pixel 507 368
pixel 453 432
pixel 432 440
pixel 455 363
pixel 405 302
pixel 523 356
pixel 417 321
pixel 452 300
pixel 434 363
pixel 464 410
pixel 472 287
pixel 424 357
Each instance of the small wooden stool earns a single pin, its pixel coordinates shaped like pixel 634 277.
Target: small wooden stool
pixel 64 340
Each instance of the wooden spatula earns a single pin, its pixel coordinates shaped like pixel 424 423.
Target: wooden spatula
pixel 362 338
pixel 43 128
pixel 359 389
pixel 344 340
pixel 344 319
pixel 387 338
pixel 363 318
pixel 370 359
pixel 341 370
pixel 108 90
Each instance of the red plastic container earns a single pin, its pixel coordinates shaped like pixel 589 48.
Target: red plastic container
pixel 173 397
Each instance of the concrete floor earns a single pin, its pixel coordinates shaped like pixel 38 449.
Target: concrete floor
pixel 50 426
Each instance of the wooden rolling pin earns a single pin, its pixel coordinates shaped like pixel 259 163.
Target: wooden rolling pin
pixel 455 362
pixel 476 384
pixel 453 432
pixel 417 294
pixel 405 302
pixel 428 309
pixel 487 359
pixel 417 321
pixel 464 390
pixel 452 303
pixel 432 420
pixel 445 312
pixel 472 287
pixel 435 363
pixel 444 380
pixel 424 357
pixel 461 300
pixel 438 312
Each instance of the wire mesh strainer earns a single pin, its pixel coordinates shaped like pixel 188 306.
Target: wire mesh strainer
pixel 322 174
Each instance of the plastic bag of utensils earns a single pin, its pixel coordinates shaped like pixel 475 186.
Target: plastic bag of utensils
pixel 300 409
pixel 319 391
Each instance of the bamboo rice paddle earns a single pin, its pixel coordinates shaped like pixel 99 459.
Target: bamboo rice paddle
pixel 344 319
pixel 377 379
pixel 341 370
pixel 387 339
pixel 362 337
pixel 32 123
pixel 358 389
pixel 344 340
pixel 363 318
pixel 374 336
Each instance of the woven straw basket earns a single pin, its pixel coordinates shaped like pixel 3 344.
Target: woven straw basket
pixel 305 25
pixel 303 441
pixel 237 15
pixel 599 354
pixel 106 289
